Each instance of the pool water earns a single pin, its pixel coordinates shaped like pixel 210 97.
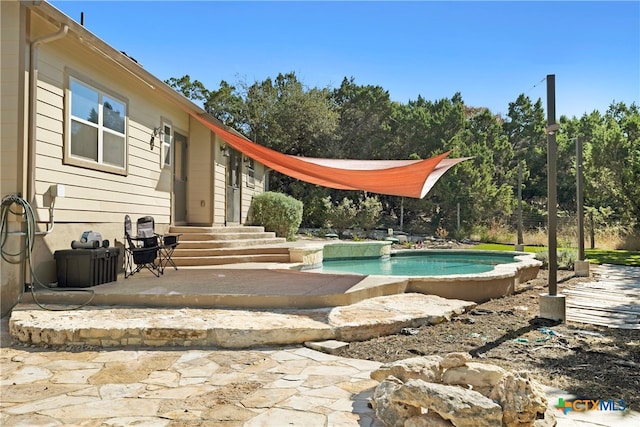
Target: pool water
pixel 425 264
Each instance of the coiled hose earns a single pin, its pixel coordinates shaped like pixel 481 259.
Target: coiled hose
pixel 16 205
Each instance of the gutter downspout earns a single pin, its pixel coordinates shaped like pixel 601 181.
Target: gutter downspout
pixel 32 113
pixel 31 130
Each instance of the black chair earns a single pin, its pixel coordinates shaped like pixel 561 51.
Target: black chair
pixel 167 243
pixel 140 252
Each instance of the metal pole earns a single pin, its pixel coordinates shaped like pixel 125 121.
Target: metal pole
pixel 580 198
pixel 520 236
pixel 552 154
pixel 458 216
pixel 592 233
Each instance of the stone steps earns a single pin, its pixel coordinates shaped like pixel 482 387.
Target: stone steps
pixel 104 326
pixel 229 259
pixel 208 246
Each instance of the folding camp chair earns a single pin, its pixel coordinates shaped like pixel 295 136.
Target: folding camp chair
pixel 140 253
pixel 166 243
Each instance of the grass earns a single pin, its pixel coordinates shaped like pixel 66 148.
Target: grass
pixel 594 256
pixel 618 257
pixel 503 247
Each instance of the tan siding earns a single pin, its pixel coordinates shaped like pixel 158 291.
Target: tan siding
pixel 91 180
pixel 93 195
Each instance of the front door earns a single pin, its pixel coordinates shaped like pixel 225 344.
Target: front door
pixel 234 184
pixel 180 178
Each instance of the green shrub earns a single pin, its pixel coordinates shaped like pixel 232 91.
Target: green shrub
pixel 368 214
pixel 565 258
pixel 341 216
pixel 277 212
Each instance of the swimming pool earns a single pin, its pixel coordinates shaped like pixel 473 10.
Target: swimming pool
pixel 420 263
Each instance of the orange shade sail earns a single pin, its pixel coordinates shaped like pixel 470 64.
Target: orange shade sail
pixel 408 178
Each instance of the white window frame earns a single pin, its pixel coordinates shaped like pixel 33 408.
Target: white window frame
pixel 166 144
pixel 99 164
pixel 251 172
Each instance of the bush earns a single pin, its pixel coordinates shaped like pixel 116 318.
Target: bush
pixel 369 211
pixel 566 258
pixel 341 216
pixel 277 212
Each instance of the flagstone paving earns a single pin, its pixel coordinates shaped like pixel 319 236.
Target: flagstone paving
pixel 162 387
pixel 204 386
pixel 278 386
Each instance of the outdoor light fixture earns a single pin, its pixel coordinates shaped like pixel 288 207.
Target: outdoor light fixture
pixel 156 132
pixel 225 150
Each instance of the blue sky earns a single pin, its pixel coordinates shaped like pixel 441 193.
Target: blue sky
pixel 490 52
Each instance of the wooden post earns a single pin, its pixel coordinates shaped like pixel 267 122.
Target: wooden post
pixel 580 199
pixel 592 231
pixel 520 236
pixel 552 195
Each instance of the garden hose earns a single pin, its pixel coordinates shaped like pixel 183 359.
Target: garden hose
pixel 16 205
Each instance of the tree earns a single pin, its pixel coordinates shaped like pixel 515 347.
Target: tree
pixel 363 125
pixel 614 161
pixel 194 90
pixel 525 130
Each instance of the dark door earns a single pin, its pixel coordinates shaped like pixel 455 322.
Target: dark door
pixel 234 183
pixel 180 178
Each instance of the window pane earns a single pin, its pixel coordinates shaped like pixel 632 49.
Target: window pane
pixel 84 102
pixel 166 149
pixel 84 141
pixel 113 149
pixel 114 112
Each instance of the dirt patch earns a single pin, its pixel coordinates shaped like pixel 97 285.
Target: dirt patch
pixel 590 361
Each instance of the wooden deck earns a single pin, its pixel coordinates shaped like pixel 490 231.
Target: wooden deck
pixel 613 300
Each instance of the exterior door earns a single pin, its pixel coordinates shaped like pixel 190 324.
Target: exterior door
pixel 234 184
pixel 180 178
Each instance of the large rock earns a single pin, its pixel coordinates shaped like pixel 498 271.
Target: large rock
pixel 464 408
pixel 449 391
pixel 430 419
pixel 454 360
pixel 425 368
pixel 392 415
pixel 477 375
pixel 521 399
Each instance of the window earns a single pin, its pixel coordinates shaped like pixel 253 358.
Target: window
pixel 97 128
pixel 165 149
pixel 251 172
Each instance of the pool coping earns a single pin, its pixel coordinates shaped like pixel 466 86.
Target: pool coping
pixel 502 280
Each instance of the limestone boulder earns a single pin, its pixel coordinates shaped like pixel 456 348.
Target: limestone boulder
pixel 521 398
pixel 426 368
pixel 391 414
pixel 430 419
pixel 455 360
pixel 474 374
pixel 453 390
pixel 463 407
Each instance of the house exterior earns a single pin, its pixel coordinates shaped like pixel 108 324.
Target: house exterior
pixel 88 130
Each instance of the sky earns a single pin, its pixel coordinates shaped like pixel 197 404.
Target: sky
pixel 489 52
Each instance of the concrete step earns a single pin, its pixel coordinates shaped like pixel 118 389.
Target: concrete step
pixel 217 244
pixel 182 252
pixel 202 246
pixel 217 230
pixel 230 259
pixel 227 236
pixel 226 328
